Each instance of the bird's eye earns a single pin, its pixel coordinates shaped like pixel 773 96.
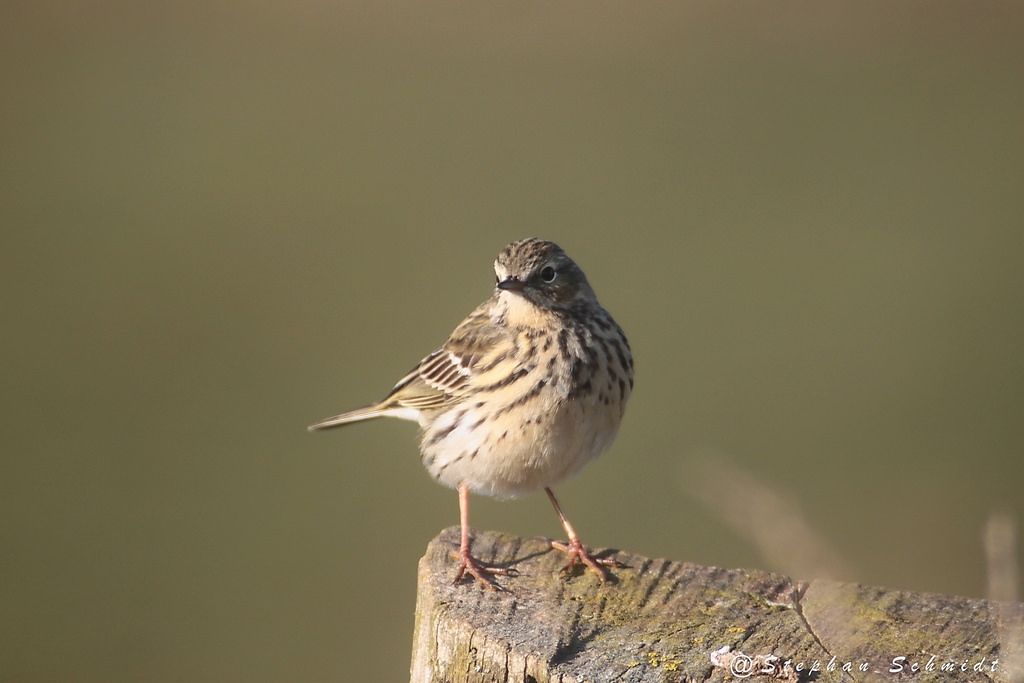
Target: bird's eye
pixel 548 274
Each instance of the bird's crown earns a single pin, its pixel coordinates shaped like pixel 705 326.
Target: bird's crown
pixel 540 271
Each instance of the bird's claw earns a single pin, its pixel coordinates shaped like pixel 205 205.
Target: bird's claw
pixel 479 571
pixel 578 553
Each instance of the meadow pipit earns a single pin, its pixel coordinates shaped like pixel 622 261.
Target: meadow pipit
pixel 526 391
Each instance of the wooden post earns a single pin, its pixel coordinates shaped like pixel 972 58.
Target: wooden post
pixel 658 620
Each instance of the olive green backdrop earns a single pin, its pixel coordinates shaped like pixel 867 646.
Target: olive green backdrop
pixel 223 221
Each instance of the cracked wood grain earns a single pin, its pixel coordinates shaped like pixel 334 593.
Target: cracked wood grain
pixel 659 620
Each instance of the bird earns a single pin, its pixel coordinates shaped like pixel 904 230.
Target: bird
pixel 528 389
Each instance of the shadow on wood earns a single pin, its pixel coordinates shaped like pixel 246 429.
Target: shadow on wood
pixel 658 620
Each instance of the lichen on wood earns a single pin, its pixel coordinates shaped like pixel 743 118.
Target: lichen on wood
pixel 659 620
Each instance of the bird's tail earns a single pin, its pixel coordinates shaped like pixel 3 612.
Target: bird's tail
pixel 369 412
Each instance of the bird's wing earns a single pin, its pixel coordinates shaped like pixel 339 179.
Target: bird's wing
pixel 437 381
pixel 432 384
pixel 477 351
pixel 445 377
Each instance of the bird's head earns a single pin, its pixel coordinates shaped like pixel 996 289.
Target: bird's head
pixel 540 272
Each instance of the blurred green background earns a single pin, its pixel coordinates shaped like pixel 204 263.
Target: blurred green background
pixel 223 221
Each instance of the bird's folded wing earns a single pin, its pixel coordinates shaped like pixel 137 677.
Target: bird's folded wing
pixel 447 375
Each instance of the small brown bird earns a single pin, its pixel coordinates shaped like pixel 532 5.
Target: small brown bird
pixel 526 391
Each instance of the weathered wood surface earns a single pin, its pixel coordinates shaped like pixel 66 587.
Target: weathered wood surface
pixel 658 620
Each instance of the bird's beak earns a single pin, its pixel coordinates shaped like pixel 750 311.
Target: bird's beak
pixel 513 284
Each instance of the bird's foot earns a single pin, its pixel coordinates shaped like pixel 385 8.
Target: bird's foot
pixel 578 553
pixel 478 570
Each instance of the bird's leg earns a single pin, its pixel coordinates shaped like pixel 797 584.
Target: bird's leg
pixel 467 563
pixel 574 549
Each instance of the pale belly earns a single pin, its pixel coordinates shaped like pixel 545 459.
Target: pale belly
pixel 516 453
